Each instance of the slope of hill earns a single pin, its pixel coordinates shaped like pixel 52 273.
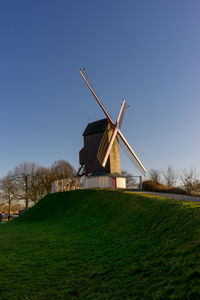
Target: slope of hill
pixel 98 244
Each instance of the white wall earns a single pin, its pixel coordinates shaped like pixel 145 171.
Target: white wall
pixel 103 182
pixel 97 182
pixel 121 182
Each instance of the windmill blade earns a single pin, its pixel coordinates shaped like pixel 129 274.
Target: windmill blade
pixel 83 74
pixel 103 146
pixel 125 107
pixel 121 112
pixel 130 153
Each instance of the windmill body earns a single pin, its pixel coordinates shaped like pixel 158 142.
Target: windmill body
pixel 100 156
pixel 88 156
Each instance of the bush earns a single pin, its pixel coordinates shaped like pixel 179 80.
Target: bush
pixel 152 186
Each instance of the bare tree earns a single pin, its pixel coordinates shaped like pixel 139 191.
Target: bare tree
pixel 37 190
pixel 45 177
pixel 190 181
pixel 8 191
pixel 155 175
pixel 29 182
pixel 62 169
pixel 170 176
pixel 25 175
pixel 64 173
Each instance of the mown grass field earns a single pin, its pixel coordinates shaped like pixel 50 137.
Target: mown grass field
pixel 98 244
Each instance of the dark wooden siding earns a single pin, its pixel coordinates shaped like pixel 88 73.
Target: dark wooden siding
pixel 88 154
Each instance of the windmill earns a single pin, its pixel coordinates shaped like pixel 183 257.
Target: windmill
pixel 100 155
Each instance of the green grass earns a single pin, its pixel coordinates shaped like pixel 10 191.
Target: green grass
pixel 98 244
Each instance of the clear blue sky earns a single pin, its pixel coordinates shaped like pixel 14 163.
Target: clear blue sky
pixel 147 52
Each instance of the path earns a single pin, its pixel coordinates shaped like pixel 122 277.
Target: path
pixel 172 196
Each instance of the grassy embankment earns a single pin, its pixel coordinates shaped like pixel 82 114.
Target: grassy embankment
pixel 99 244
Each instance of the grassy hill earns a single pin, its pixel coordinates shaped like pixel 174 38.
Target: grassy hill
pixel 98 244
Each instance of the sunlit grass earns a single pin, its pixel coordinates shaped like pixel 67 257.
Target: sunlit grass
pixel 179 202
pixel 98 244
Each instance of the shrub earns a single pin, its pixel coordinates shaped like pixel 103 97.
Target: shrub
pixel 152 186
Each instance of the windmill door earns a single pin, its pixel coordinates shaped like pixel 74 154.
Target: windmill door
pixel 113 183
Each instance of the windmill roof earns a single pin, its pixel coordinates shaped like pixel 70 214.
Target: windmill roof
pixel 95 127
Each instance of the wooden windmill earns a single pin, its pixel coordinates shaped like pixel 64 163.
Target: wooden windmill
pixel 100 154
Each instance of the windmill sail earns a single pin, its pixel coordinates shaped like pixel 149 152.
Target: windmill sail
pixel 84 75
pixel 103 146
pixel 130 153
pixel 126 106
